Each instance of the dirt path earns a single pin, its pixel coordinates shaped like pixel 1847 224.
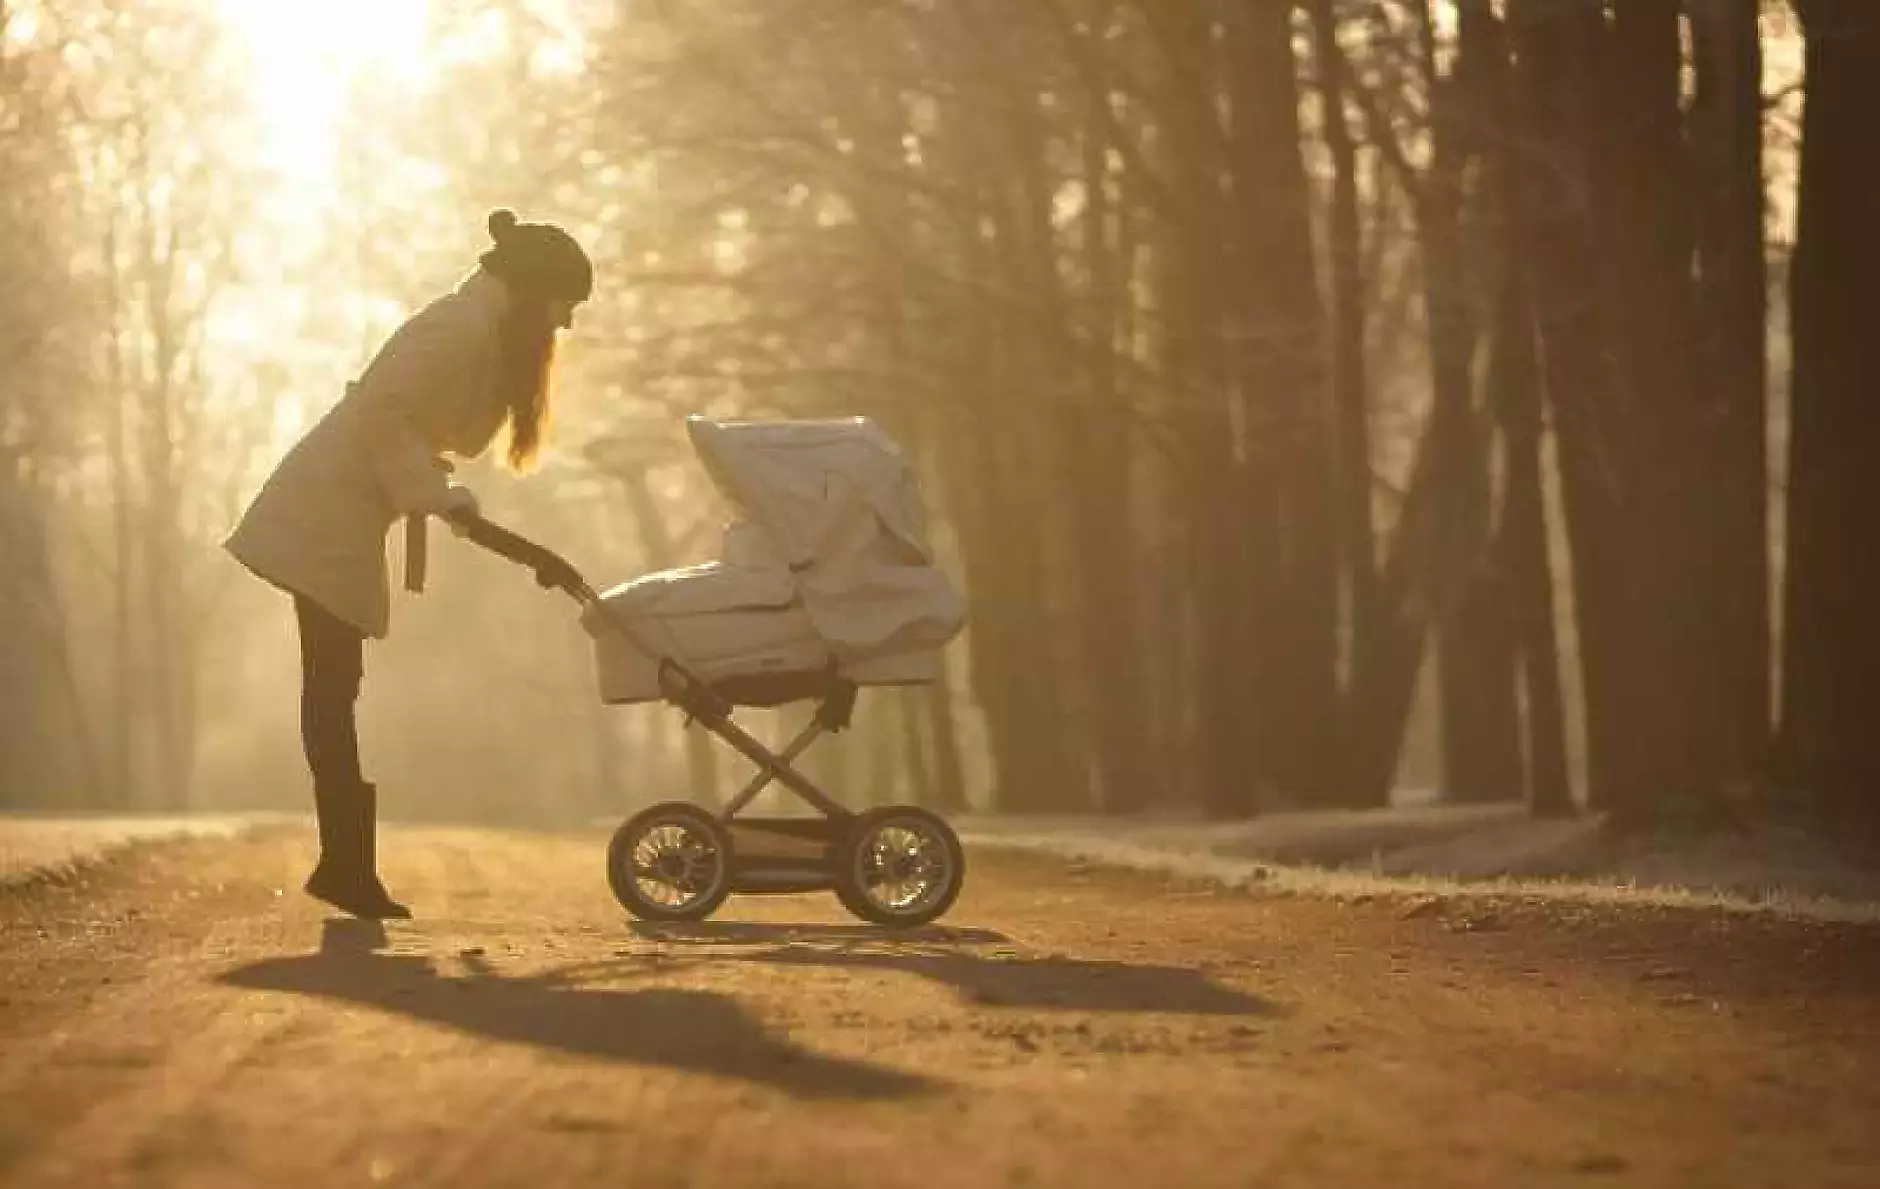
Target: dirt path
pixel 182 1016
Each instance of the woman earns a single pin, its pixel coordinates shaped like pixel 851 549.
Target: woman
pixel 471 364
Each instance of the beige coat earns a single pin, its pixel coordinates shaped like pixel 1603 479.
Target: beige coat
pixel 318 525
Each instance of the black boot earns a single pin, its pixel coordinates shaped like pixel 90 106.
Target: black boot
pixel 347 874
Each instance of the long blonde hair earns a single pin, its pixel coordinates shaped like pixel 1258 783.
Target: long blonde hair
pixel 525 362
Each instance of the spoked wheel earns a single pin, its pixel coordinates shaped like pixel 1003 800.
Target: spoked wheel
pixel 671 862
pixel 900 866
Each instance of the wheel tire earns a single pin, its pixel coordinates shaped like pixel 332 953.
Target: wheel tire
pixel 853 854
pixel 626 840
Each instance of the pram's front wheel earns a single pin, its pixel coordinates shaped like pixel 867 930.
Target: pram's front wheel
pixel 899 866
pixel 670 862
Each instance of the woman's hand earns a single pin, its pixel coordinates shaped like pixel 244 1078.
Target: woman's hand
pixel 460 509
pixel 552 572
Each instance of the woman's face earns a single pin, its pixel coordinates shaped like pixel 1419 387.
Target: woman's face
pixel 560 313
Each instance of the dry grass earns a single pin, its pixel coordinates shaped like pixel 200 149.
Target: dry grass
pixel 40 846
pixel 1709 882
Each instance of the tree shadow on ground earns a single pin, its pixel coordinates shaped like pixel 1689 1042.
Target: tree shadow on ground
pixel 701 1031
pixel 1001 979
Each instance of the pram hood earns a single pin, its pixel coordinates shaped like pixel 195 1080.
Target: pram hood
pixel 801 480
pixel 832 519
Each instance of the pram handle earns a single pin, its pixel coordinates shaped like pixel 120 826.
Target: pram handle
pixel 552 570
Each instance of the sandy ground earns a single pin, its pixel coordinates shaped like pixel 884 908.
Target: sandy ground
pixel 180 1015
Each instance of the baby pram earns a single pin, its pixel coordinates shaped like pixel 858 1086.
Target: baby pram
pixel 826 584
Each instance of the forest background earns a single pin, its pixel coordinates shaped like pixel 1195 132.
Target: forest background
pixel 1326 403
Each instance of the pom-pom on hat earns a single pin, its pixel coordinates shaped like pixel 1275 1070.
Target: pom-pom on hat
pixel 538 259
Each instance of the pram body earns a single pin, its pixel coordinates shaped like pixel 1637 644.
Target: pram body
pixel 828 568
pixel 826 584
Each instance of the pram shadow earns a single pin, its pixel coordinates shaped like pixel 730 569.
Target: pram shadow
pixel 701 1031
pixel 769 933
pixel 999 979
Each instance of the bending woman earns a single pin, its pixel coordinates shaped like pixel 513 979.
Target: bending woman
pixel 471 364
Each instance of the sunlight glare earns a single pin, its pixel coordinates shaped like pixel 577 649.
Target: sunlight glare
pixel 307 55
pixel 17 30
pixel 304 62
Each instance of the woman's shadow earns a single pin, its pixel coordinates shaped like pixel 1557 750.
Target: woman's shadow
pixel 1005 979
pixel 680 1029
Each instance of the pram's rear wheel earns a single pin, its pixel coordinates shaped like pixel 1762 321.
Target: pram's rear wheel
pixel 899 866
pixel 670 862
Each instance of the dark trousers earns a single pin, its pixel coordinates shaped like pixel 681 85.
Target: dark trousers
pixel 332 662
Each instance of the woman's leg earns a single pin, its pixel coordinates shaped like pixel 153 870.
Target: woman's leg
pixel 332 664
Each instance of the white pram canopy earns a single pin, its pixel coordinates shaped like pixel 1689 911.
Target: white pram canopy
pixel 831 544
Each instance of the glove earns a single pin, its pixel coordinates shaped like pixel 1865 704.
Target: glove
pixel 460 509
pixel 554 573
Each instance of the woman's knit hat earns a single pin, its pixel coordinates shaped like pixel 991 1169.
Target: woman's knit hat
pixel 538 259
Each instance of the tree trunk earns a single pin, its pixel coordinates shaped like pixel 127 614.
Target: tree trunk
pixel 1661 433
pixel 1098 483
pixel 949 777
pixel 1276 328
pixel 1479 719
pixel 878 733
pixel 908 721
pixel 1557 48
pixel 1223 526
pixel 1731 319
pixel 125 702
pixel 1369 618
pixel 29 753
pixel 1831 656
pixel 1521 547
pixel 1514 392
